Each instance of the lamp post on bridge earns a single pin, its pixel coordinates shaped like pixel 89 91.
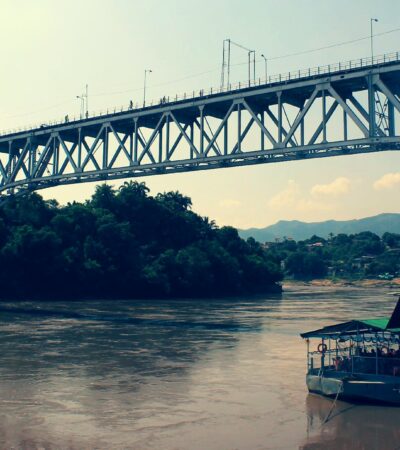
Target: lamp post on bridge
pixel 266 67
pixel 84 98
pixel 146 71
pixel 372 20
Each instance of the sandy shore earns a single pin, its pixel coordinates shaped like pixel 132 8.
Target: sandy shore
pixel 366 283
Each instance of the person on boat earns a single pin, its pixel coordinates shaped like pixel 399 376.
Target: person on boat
pixel 337 362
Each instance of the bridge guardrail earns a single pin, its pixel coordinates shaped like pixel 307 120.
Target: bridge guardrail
pixel 273 79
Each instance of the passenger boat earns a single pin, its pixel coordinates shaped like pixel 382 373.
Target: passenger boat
pixel 356 360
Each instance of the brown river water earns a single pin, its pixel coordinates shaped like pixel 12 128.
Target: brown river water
pixel 171 375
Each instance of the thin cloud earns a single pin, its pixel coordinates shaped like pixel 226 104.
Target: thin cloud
pixel 388 181
pixel 287 197
pixel 292 198
pixel 340 186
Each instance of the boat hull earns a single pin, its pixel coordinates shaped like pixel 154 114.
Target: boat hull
pixel 370 389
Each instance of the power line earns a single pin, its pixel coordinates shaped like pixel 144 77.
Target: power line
pixel 198 74
pixel 339 44
pixel 289 55
pixel 333 45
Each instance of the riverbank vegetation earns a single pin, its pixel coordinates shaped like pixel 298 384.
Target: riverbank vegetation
pixel 355 256
pixel 125 243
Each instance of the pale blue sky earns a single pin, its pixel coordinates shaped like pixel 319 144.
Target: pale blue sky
pixel 51 49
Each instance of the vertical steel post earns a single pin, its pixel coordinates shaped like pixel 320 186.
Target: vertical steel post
pixel 229 64
pixel 226 138
pixel 130 147
pixel 56 148
pixel 167 120
pixel 87 101
pixel 79 161
pixel 329 355
pixel 391 130
pixel 135 140
pixel 371 107
pixel 254 67
pixel 239 136
pixel 10 159
pixel 262 120
pixel 279 94
pixel 201 130
pixel 160 143
pixel 105 147
pixel 344 125
pixel 30 161
pixel 323 115
pixel 249 63
pixel 191 140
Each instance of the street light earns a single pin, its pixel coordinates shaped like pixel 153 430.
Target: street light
pixel 82 99
pixel 144 87
pixel 265 60
pixel 372 39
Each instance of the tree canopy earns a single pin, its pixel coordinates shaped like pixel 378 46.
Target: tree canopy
pixel 357 255
pixel 124 243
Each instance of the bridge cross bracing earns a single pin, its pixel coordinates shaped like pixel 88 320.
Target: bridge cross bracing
pixel 349 109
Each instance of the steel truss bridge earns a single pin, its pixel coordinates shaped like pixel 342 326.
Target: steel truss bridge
pixel 343 109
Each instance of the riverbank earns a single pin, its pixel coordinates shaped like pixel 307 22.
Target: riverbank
pixel 338 282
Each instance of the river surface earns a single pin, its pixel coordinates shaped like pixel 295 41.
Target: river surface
pixel 172 375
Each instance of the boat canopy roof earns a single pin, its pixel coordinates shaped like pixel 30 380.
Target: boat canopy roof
pixel 360 326
pixel 352 328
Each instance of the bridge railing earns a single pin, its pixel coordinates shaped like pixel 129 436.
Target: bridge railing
pixel 196 94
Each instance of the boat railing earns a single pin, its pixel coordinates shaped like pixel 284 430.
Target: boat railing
pixel 371 364
pixel 382 365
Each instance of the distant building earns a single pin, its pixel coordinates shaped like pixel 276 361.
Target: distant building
pixel 315 244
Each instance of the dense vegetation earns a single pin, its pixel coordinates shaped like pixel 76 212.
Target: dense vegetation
pixel 348 256
pixel 124 244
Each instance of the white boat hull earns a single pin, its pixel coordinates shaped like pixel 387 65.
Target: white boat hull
pixel 366 388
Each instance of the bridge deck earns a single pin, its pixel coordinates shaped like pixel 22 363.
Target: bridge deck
pixel 347 109
pixel 349 76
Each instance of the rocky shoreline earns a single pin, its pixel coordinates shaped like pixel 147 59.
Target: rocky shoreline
pixel 364 283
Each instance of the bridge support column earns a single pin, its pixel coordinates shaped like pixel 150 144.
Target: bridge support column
pixel 262 120
pixel 201 108
pixel 324 116
pixel 392 128
pixel 302 132
pixel 79 149
pixel 279 94
pixel 191 140
pixel 239 127
pixel 226 138
pixel 32 157
pixel 56 155
pixel 371 107
pixel 167 143
pixel 135 140
pixel 105 147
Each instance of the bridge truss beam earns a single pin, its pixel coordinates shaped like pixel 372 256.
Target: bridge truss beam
pixel 350 112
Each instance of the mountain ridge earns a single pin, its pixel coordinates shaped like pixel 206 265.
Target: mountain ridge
pixel 298 230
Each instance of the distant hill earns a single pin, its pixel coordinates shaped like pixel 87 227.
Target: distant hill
pixel 302 230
